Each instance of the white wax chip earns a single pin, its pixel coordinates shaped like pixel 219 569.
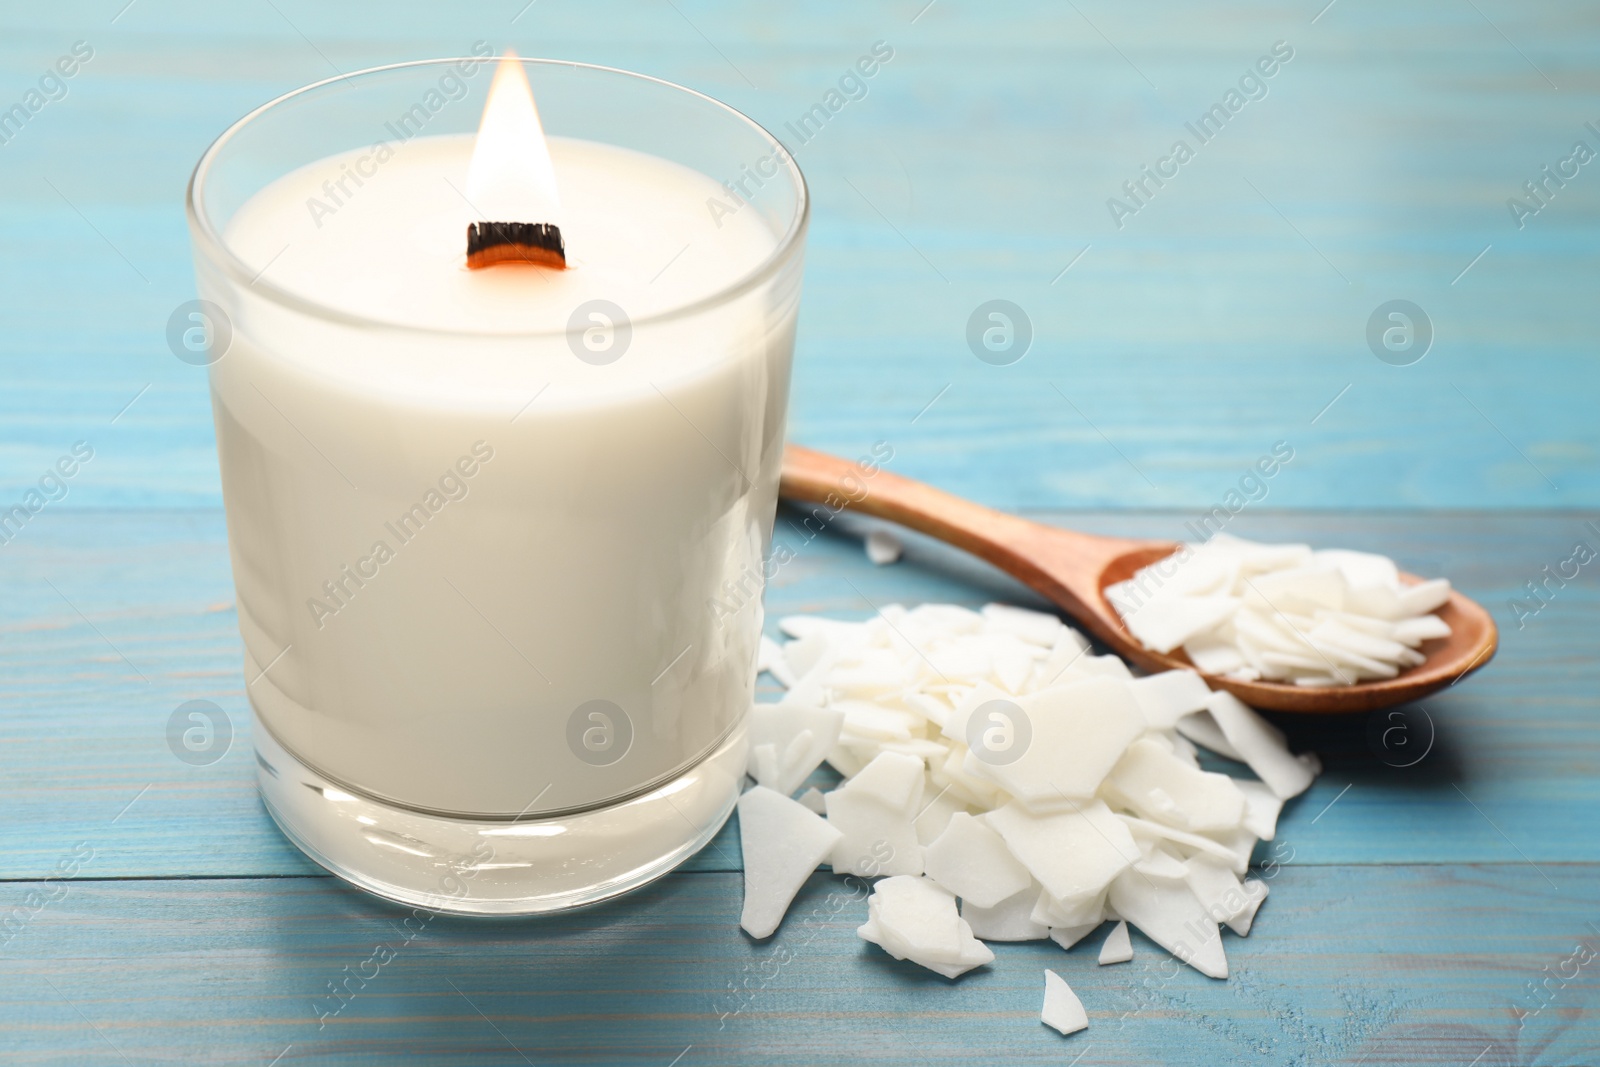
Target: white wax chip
pixel 960 663
pixel 804 654
pixel 1013 668
pixel 846 759
pixel 764 767
pixel 1365 623
pixel 1203 730
pixel 1345 646
pixel 1070 737
pixel 1009 920
pixel 810 688
pixel 1144 831
pixel 1212 654
pixel 1161 863
pixel 1034 627
pixel 1166 697
pixel 947 619
pixel 894 779
pixel 1086 909
pixel 936 813
pixel 1261 744
pixel 971 861
pixel 782 844
pixel 1261 808
pixel 1071 854
pixel 1269 631
pixel 805 625
pixel 1239 842
pixel 970 790
pixel 911 918
pixel 1106 666
pixel 812 800
pixel 1361 569
pixel 876 839
pixel 1070 649
pixel 883 547
pixel 1412 632
pixel 770 658
pixel 795 752
pixel 1285 664
pixel 1168 914
pixel 1424 597
pixel 1299 590
pixel 1342 635
pixel 871 673
pixel 1118 948
pixel 1062 1009
pixel 1067 936
pixel 800 738
pixel 920 747
pixel 1166 739
pixel 1379 602
pixel 876 722
pixel 1216 887
pixel 1163 625
pixel 1257 556
pixel 955 724
pixel 1158 785
pixel 1255 892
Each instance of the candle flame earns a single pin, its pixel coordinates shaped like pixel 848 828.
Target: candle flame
pixel 511 178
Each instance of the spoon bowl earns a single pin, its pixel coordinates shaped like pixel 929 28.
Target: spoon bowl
pixel 1072 571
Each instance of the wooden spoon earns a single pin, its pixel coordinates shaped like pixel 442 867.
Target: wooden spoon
pixel 1072 570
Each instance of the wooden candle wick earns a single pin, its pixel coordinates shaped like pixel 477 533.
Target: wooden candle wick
pixel 538 243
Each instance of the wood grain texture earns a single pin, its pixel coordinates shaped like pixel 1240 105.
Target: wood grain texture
pixel 1229 313
pixel 1216 321
pixel 1345 966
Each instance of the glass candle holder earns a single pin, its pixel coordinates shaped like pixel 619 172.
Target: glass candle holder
pixel 498 557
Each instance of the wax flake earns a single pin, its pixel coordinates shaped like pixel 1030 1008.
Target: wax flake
pixel 883 548
pixel 782 842
pixel 1067 936
pixel 914 919
pixel 971 861
pixel 1118 947
pixel 1009 920
pixel 789 741
pixel 1062 1010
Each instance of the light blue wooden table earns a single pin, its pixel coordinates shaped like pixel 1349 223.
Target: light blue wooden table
pixel 1419 914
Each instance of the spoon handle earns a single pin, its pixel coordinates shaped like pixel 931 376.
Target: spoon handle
pixel 1062 565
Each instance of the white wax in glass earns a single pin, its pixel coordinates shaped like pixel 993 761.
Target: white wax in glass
pixel 604 543
pixel 637 229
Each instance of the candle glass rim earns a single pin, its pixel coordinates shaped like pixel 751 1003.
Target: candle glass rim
pixel 210 241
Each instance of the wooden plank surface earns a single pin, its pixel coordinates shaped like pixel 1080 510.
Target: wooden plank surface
pixel 1417 904
pixel 1347 965
pixel 1218 320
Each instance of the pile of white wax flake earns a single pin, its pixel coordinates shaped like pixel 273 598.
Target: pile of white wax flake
pixel 990 758
pixel 1282 613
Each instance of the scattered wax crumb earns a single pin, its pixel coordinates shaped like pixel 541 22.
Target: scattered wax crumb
pixel 1118 947
pixel 883 547
pixel 1062 1009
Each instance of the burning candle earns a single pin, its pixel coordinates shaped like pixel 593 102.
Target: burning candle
pixel 482 520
